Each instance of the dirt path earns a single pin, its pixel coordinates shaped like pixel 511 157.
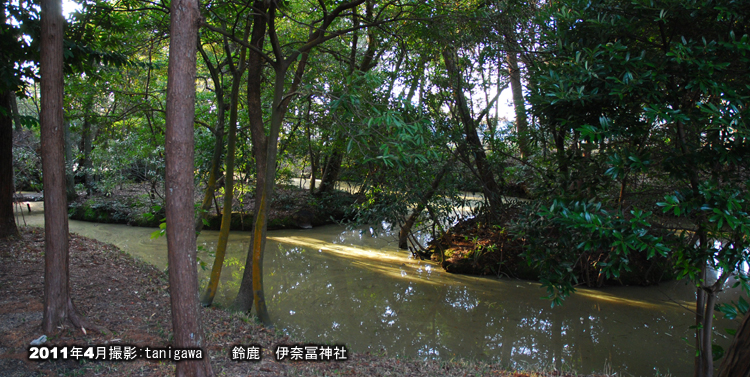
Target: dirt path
pixel 131 299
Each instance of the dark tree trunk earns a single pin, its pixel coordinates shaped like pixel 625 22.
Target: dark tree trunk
pixel 70 184
pixel 490 188
pixel 226 219
pixel 331 170
pixel 737 359
pixel 266 145
pixel 58 307
pixel 313 156
pixel 7 222
pixel 213 174
pixel 403 234
pixel 87 139
pixel 181 245
pixel 522 125
pixel 244 300
pixel 16 114
pixel 332 167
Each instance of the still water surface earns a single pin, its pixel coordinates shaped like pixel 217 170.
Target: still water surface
pixel 354 287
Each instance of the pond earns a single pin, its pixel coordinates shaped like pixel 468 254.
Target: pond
pixel 354 287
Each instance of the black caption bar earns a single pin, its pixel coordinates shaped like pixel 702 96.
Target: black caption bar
pixel 113 353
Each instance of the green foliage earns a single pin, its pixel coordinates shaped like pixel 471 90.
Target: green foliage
pixel 565 240
pixel 725 220
pixel 132 158
pixel 102 210
pixel 654 95
pixel 27 164
pixel 733 310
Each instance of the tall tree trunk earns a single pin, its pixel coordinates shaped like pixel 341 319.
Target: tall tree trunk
pixel 213 174
pixel 707 329
pixel 244 300
pixel 70 184
pixel 490 188
pixel 7 221
pixel 313 158
pixel 58 307
pixel 16 114
pixel 226 218
pixel 522 125
pixel 332 167
pixel 87 140
pixel 181 245
pixel 736 361
pixel 266 158
pixel 264 193
pixel 7 99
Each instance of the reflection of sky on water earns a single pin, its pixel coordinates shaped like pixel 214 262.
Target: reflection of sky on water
pixel 353 287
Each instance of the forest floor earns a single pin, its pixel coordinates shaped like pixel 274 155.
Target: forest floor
pixel 131 300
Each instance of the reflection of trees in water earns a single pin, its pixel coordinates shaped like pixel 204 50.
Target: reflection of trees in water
pixel 369 305
pixel 413 318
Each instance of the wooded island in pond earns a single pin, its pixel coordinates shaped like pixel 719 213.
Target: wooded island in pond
pixel 620 158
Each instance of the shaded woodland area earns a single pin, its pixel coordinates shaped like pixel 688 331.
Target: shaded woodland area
pixel 628 141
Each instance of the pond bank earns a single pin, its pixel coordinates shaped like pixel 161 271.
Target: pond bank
pixel 477 246
pixel 354 287
pixel 291 208
pixel 130 298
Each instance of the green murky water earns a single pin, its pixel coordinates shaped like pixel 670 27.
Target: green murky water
pixel 354 287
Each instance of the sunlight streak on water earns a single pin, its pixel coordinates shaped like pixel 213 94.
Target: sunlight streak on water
pixel 332 285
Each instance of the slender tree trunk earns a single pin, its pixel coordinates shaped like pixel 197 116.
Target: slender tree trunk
pixel 736 361
pixel 266 172
pixel 16 114
pixel 332 168
pixel 708 324
pixel 333 162
pixel 700 304
pixel 70 184
pixel 226 218
pixel 266 157
pixel 181 245
pixel 313 159
pixel 403 234
pixel 522 125
pixel 87 139
pixel 490 188
pixel 265 192
pixel 244 300
pixel 58 307
pixel 7 221
pixel 7 188
pixel 213 174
